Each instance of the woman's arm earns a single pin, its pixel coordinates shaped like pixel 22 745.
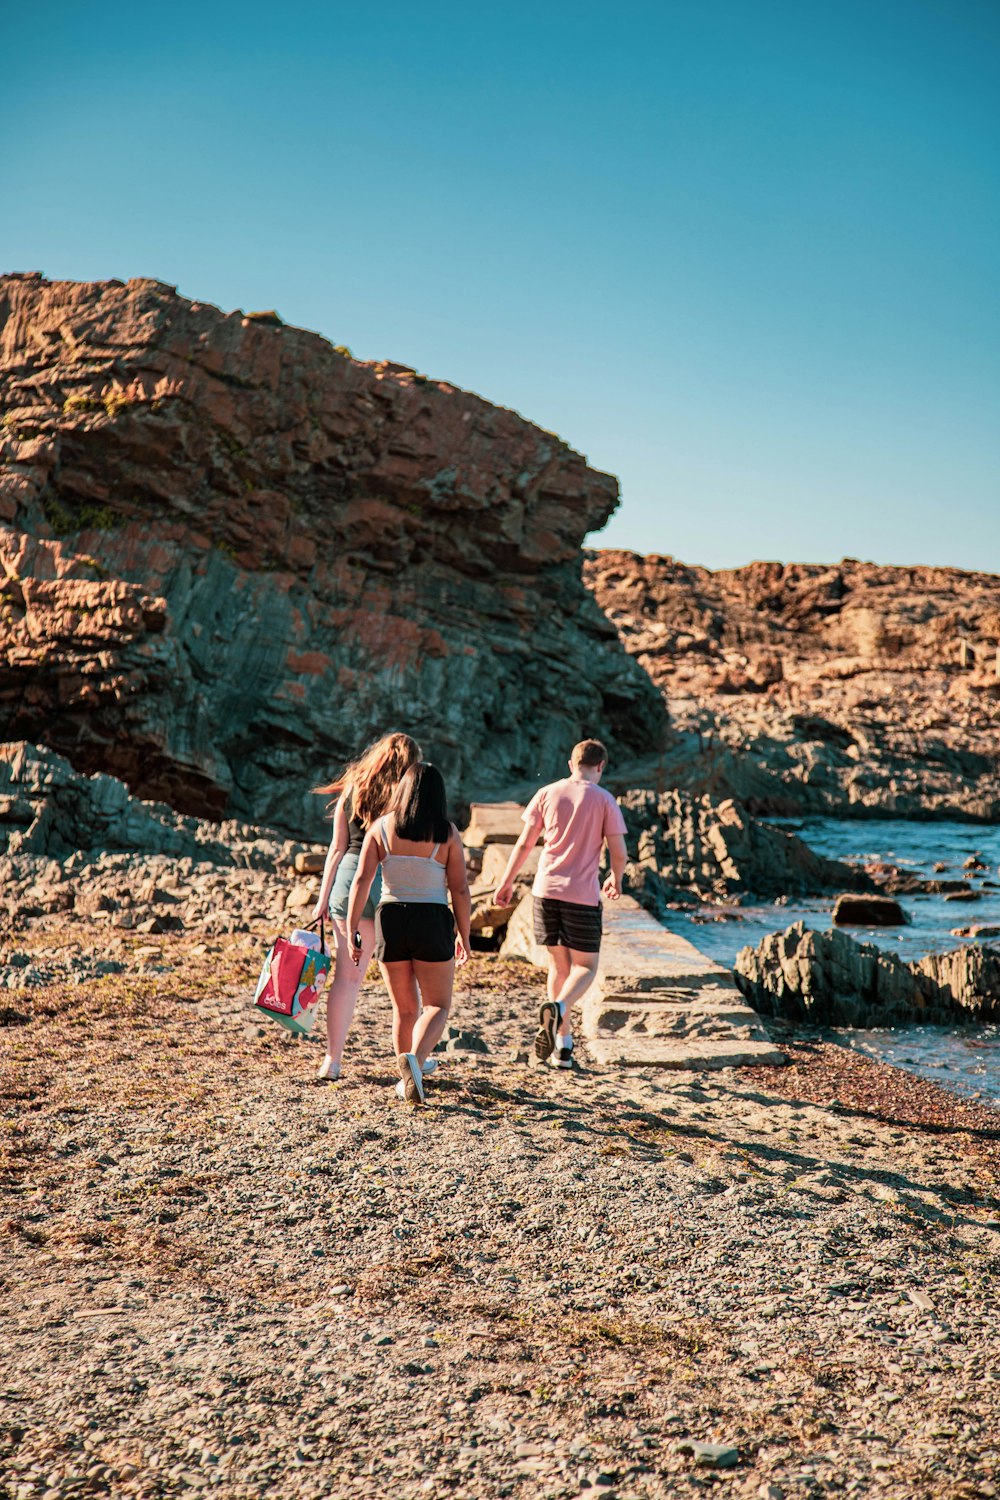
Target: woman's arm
pixel 461 902
pixel 360 888
pixel 339 840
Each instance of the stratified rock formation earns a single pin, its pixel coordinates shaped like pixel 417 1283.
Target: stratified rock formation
pixel 230 555
pixel 853 689
pixel 829 979
pixel 689 847
pixel 48 809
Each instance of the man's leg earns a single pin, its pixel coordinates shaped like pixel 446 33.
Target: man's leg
pixel 549 1016
pixel 558 971
pixel 582 972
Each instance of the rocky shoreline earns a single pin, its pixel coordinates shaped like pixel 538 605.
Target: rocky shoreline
pixel 222 1277
pixel 228 551
pixel 829 978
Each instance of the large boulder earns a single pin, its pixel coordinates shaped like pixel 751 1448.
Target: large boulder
pixel 231 554
pixel 829 979
pixel 686 845
pixel 971 975
pixel 852 910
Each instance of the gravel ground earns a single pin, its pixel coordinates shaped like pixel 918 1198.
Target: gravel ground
pixel 220 1275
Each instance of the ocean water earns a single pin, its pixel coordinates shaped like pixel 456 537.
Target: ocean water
pixel 964 1060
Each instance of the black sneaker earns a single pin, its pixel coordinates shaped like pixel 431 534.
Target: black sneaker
pixel 545 1036
pixel 563 1057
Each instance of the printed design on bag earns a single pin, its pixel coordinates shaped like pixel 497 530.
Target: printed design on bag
pixel 307 996
pixel 289 984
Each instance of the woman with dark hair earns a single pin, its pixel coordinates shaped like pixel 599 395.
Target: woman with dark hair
pixel 363 791
pixel 421 858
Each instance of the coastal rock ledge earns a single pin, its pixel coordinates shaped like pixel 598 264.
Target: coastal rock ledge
pixel 230 554
pixel 830 980
pixel 690 849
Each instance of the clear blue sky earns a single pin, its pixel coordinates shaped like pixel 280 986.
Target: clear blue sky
pixel 742 253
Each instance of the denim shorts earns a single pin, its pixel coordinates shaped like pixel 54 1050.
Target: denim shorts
pixel 340 895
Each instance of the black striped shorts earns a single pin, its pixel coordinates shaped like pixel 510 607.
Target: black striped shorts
pixel 567 924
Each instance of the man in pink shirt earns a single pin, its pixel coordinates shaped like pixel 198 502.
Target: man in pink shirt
pixel 577 817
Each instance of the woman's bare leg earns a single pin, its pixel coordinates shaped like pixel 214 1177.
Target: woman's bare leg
pixel 401 982
pixel 436 982
pixel 342 996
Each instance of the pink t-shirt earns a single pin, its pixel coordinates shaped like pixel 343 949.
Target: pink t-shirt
pixel 576 817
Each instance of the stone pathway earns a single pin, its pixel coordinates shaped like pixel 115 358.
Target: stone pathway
pixel 657 1001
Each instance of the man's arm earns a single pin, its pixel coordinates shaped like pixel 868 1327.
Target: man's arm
pixel 504 893
pixel 618 855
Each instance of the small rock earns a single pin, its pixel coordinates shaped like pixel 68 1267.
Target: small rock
pixel 310 863
pixel 868 911
pixel 342 1290
pixel 463 1041
pixel 712 1455
pixel 920 1299
pixel 300 896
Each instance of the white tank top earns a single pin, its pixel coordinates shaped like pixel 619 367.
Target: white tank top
pixel 412 877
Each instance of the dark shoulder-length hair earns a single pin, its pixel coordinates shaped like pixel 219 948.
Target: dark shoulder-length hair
pixel 420 806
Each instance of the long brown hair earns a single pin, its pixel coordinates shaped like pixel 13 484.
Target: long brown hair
pixel 372 778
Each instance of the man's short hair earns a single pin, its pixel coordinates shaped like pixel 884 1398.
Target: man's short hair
pixel 589 753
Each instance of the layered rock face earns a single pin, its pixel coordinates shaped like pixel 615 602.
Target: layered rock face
pixel 230 555
pixel 689 847
pixel 829 979
pixel 48 809
pixel 854 689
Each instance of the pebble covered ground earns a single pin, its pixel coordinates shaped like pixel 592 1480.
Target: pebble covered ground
pixel 220 1276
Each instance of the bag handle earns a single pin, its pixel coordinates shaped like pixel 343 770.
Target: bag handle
pixel 322 935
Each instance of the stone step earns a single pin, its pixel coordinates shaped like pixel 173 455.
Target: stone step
pixel 612 1020
pixel 695 1056
pixel 494 823
pixel 676 994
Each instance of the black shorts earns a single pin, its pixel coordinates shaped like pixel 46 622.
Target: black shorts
pixel 567 924
pixel 424 930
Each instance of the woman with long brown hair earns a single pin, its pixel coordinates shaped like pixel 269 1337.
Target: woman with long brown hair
pixel 363 791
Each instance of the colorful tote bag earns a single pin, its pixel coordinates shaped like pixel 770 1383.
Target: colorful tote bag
pixel 291 981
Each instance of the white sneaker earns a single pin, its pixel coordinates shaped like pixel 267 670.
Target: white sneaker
pixel 412 1076
pixel 329 1071
pixel 429 1066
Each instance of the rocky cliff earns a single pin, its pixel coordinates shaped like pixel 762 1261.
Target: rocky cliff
pixel 230 554
pixel 852 689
